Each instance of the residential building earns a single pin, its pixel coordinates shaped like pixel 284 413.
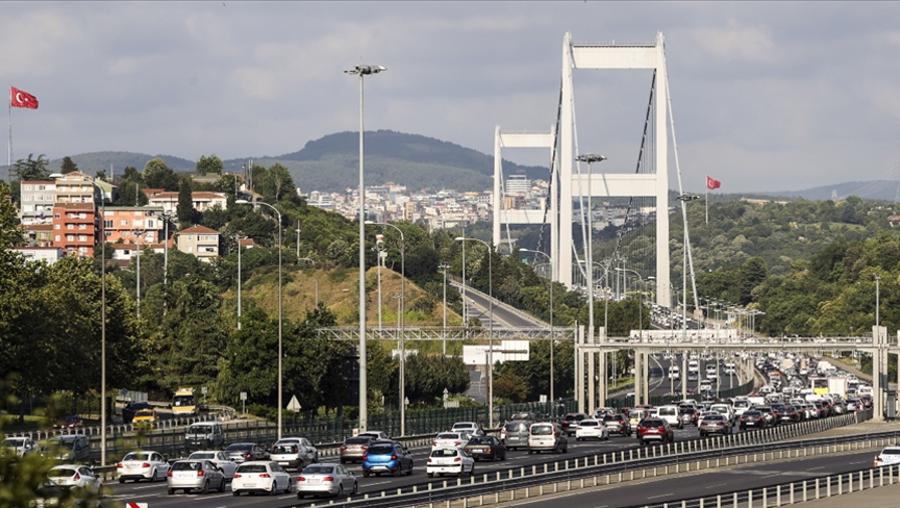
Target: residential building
pixel 74 226
pixel 37 198
pixel 133 224
pixel 517 185
pixel 201 241
pixel 48 255
pixel 39 235
pixel 200 200
pixel 76 187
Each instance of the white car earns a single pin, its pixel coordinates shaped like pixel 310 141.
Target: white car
pixel 194 475
pixel 888 456
pixel 470 428
pixel 670 415
pixel 261 476
pixel 294 452
pixel 740 406
pixel 326 479
pixel 590 428
pixel 724 410
pixel 142 465
pixel 219 458
pixel 19 445
pixel 449 440
pixel 449 461
pixel 74 475
pixel 376 435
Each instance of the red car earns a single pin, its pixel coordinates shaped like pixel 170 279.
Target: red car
pixel 655 430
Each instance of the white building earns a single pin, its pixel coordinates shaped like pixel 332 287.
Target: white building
pixel 201 241
pixel 48 255
pixel 37 198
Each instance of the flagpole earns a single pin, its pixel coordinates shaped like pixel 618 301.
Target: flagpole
pixel 707 203
pixel 9 140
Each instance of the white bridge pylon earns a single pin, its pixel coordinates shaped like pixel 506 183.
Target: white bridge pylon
pixel 566 186
pixel 608 185
pixel 523 216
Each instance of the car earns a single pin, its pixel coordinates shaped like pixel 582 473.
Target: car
pixel 714 424
pixel 591 428
pixel 204 435
pixel 265 477
pixel 294 452
pixel 375 435
pixel 326 479
pixel 790 414
pixel 670 415
pixel 19 445
pixel 617 424
pixel 69 422
pixel 485 447
pixel 74 475
pixel 73 448
pixel 387 457
pixel 688 416
pixel 741 405
pixel 145 417
pixel 888 456
pixel 515 434
pixel 753 418
pixel 443 461
pixel 219 458
pixel 724 410
pixel 243 452
pixel 655 430
pixel 769 415
pixel 547 437
pixel 636 415
pixel 569 422
pixel 449 440
pixel 131 409
pixel 194 475
pixel 470 428
pixel 142 465
pixel 354 448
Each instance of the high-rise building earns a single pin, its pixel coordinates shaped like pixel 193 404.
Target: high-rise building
pixel 517 185
pixel 37 198
pixel 76 187
pixel 74 228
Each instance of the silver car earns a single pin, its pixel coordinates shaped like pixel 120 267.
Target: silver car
pixel 219 458
pixel 197 475
pixel 515 434
pixel 326 479
pixel 294 452
pixel 19 445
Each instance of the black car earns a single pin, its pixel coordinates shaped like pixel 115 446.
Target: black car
pixel 753 418
pixel 486 447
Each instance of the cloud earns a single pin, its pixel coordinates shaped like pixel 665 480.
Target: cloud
pixel 737 42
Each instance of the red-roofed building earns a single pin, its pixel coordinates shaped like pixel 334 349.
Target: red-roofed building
pixel 200 200
pixel 201 241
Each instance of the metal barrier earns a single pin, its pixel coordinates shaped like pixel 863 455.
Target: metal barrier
pixel 620 465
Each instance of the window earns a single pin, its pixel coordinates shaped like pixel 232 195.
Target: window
pixel 82 226
pixel 123 222
pixel 107 224
pixel 70 238
pixel 56 238
pixel 82 238
pixel 82 215
pixel 57 226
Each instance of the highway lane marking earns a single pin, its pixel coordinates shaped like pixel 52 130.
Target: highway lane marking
pixel 661 495
pixel 815 468
pixel 714 485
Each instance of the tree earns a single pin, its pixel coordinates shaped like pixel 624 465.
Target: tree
pixel 31 168
pixel 68 165
pixel 158 175
pixel 185 209
pixel 209 164
pixel 10 232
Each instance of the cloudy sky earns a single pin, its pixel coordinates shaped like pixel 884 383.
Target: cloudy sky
pixel 767 96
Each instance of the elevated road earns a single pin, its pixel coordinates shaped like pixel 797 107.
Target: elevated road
pixel 505 316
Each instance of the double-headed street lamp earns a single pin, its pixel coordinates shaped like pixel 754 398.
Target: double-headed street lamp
pixel 102 325
pixel 552 341
pixel 280 307
pixel 590 159
pixel 490 369
pixel 362 71
pixel 400 322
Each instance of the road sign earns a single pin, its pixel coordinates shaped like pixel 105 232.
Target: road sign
pixel 243 396
pixel 294 404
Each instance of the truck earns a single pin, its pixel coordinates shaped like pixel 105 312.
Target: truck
pixel 837 385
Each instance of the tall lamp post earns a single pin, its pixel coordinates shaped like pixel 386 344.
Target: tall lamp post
pixel 400 322
pixel 444 267
pixel 490 369
pixel 362 71
pixel 590 159
pixel 280 308
pixel 102 325
pixel 552 340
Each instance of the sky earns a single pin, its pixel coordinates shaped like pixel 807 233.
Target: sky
pixel 766 96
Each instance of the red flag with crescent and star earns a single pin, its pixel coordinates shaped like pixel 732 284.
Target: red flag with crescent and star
pixel 22 99
pixel 712 183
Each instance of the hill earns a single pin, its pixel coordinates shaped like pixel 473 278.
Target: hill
pixel 880 190
pixel 331 163
pixel 91 162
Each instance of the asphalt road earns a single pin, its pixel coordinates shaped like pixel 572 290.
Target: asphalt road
pixel 156 495
pixel 709 484
pixel 661 383
pixel 503 318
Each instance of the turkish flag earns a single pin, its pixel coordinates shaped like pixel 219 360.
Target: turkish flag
pixel 22 99
pixel 712 183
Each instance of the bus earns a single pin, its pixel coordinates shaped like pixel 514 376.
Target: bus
pixel 819 385
pixel 184 403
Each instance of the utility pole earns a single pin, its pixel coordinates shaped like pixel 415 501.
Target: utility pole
pixel 444 268
pixel 298 241
pixel 238 239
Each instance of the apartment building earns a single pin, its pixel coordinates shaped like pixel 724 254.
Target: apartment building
pixel 141 225
pixel 201 241
pixel 200 200
pixel 37 198
pixel 74 226
pixel 76 187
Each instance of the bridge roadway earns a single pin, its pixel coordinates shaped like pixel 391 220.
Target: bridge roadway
pixel 720 481
pixel 156 495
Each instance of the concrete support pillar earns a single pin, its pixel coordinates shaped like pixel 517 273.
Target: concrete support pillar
pixel 645 377
pixel 684 375
pixel 497 196
pixel 879 339
pixel 591 374
pixel 579 369
pixel 567 156
pixel 638 369
pixel 603 377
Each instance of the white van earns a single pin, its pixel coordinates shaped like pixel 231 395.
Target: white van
pixel 670 415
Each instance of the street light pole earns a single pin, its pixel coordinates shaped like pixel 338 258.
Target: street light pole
pixel 362 71
pixel 280 311
pixel 877 300
pixel 400 323
pixel 166 217
pixel 552 340
pixel 490 370
pixel 102 327
pixel 238 239
pixel 444 267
